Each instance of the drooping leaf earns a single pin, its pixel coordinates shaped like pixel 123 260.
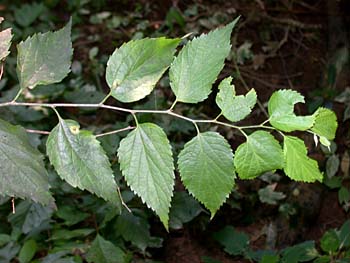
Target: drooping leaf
pixel 80 160
pixel 206 169
pixel 183 209
pixel 134 69
pixel 147 164
pixel 260 153
pixel 136 230
pixel 302 252
pixel 44 58
pixel 5 42
pixel 234 108
pixel 104 251
pixel 26 14
pixel 325 123
pixel 234 242
pixel 281 111
pixel 298 166
pixel 23 173
pixel 30 216
pixel 198 64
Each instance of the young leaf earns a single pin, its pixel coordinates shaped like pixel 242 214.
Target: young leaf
pixel 104 251
pixel 134 69
pixel 147 164
pixel 325 123
pixel 198 64
pixel 44 58
pixel 5 42
pixel 260 153
pixel 234 108
pixel 23 173
pixel 281 111
pixel 206 169
pixel 298 166
pixel 80 160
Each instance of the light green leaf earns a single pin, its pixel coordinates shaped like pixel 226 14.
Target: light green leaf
pixel 134 69
pixel 23 173
pixel 80 160
pixel 44 58
pixel 281 111
pixel 325 123
pixel 234 108
pixel 147 164
pixel 28 251
pixel 206 169
pixel 198 64
pixel 260 153
pixel 104 251
pixel 298 166
pixel 5 42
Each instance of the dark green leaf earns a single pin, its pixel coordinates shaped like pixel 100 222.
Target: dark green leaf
pixel 147 164
pixel 28 13
pixel 103 251
pixel 344 234
pixel 206 169
pixel 235 243
pixel 198 64
pixel 330 241
pixel 343 195
pixel 302 252
pixel 80 160
pixel 23 173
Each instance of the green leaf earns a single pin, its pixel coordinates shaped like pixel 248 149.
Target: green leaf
pixel 343 195
pixel 325 123
pixel 23 173
pixel 302 252
pixel 103 251
pixel 260 153
pixel 298 166
pixel 134 69
pixel 198 64
pixel 28 13
pixel 344 234
pixel 71 215
pixel 44 58
pixel 269 196
pixel 206 169
pixel 183 209
pixel 28 251
pixel 330 241
pixel 147 164
pixel 64 234
pixel 281 111
pixel 235 243
pixel 5 42
pixel 234 108
pixel 80 160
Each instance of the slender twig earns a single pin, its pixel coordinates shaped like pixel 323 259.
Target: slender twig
pixel 115 131
pixel 37 131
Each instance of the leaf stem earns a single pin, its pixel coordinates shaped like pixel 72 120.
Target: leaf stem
pixel 106 98
pixel 17 95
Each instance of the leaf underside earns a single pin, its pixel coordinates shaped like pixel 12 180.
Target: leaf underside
pixel 5 42
pixel 147 164
pixel 206 169
pixel 44 58
pixel 23 173
pixel 198 64
pixel 80 160
pixel 134 69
